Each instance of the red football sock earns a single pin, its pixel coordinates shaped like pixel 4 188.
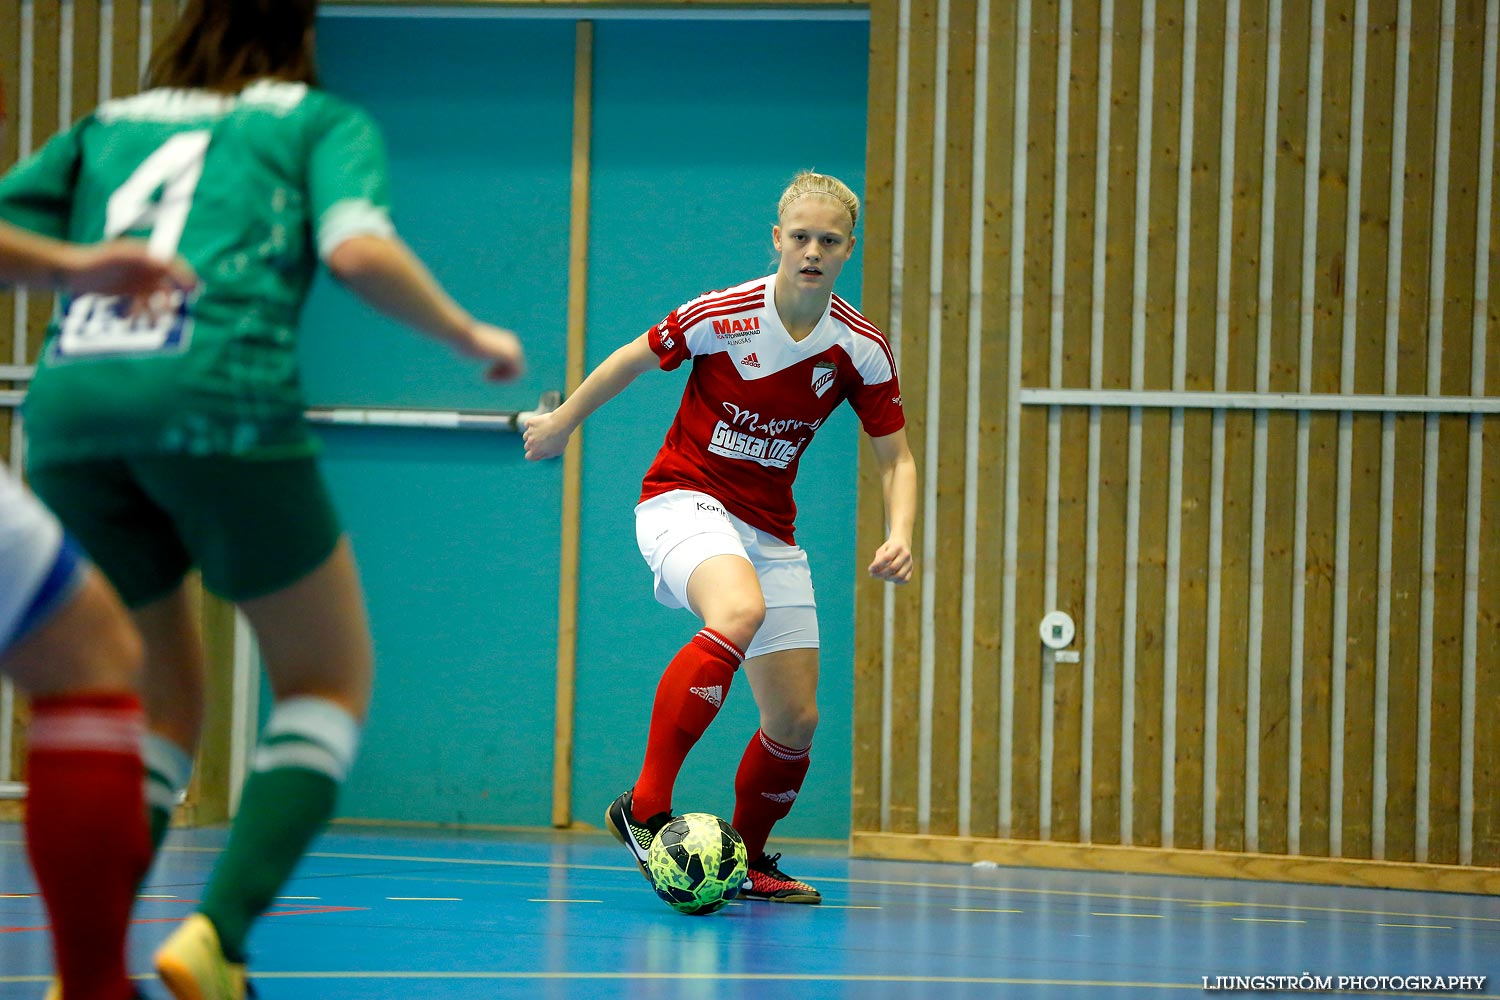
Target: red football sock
pixel 766 785
pixel 688 696
pixel 86 833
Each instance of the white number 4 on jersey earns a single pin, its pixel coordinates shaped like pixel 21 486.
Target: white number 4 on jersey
pixel 157 197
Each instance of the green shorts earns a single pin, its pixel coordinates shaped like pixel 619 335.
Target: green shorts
pixel 251 526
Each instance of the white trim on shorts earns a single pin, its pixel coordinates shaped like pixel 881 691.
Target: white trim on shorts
pixel 30 541
pixel 679 530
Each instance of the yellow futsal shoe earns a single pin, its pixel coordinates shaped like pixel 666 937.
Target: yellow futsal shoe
pixel 192 964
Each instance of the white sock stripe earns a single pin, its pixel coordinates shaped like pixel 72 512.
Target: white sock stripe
pixel 112 732
pixel 159 796
pixel 168 760
pixel 317 721
pixel 738 656
pixel 784 753
pixel 307 756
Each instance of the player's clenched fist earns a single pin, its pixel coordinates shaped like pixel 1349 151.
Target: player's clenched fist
pixel 892 562
pixel 546 435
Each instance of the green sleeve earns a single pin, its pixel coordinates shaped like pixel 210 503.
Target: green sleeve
pixel 347 184
pixel 37 193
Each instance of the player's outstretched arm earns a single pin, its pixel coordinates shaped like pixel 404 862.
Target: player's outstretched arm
pixel 119 268
pixel 384 272
pixel 547 434
pixel 898 480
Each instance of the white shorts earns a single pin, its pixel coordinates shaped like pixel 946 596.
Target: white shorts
pixel 38 572
pixel 679 530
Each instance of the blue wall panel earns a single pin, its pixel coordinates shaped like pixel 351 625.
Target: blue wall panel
pixel 698 126
pixel 456 535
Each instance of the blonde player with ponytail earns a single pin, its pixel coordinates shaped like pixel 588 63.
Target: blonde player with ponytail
pixel 771 359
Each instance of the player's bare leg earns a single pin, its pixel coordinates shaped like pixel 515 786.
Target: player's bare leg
pixel 173 691
pixel 315 642
pixel 725 592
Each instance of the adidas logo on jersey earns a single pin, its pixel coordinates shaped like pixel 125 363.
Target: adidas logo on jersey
pixel 750 361
pixel 713 695
pixel 789 796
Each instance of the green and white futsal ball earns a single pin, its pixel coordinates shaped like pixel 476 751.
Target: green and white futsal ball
pixel 697 863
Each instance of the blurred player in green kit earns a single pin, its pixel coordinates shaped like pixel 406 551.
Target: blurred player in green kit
pixel 174 439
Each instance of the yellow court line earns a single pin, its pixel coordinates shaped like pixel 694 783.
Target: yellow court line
pixel 1266 920
pixel 425 899
pixel 1141 916
pixel 565 901
pixel 979 909
pixel 1423 927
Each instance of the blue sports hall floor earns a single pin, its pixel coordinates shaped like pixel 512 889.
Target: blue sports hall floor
pixel 538 915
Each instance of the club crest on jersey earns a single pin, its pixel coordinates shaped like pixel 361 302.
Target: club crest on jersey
pixel 822 377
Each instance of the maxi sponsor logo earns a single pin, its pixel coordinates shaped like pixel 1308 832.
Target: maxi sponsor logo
pixel 738 330
pixel 724 328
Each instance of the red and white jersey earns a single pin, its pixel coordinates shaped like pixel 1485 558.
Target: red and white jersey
pixel 755 397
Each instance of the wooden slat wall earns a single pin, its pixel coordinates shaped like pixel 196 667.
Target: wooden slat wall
pixel 1369 290
pixel 79 29
pixel 869 611
pixel 1036 252
pixel 1456 303
pixel 1323 275
pixel 910 321
pixel 10 85
pixel 1198 375
pixel 1232 727
pixel 1164 73
pixel 1406 724
pixel 992 421
pixel 1487 686
pixel 10 88
pixel 1109 690
pixel 948 463
pixel 1071 425
pixel 1317 707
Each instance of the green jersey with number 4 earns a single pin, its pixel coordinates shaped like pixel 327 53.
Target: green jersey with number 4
pixel 251 189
